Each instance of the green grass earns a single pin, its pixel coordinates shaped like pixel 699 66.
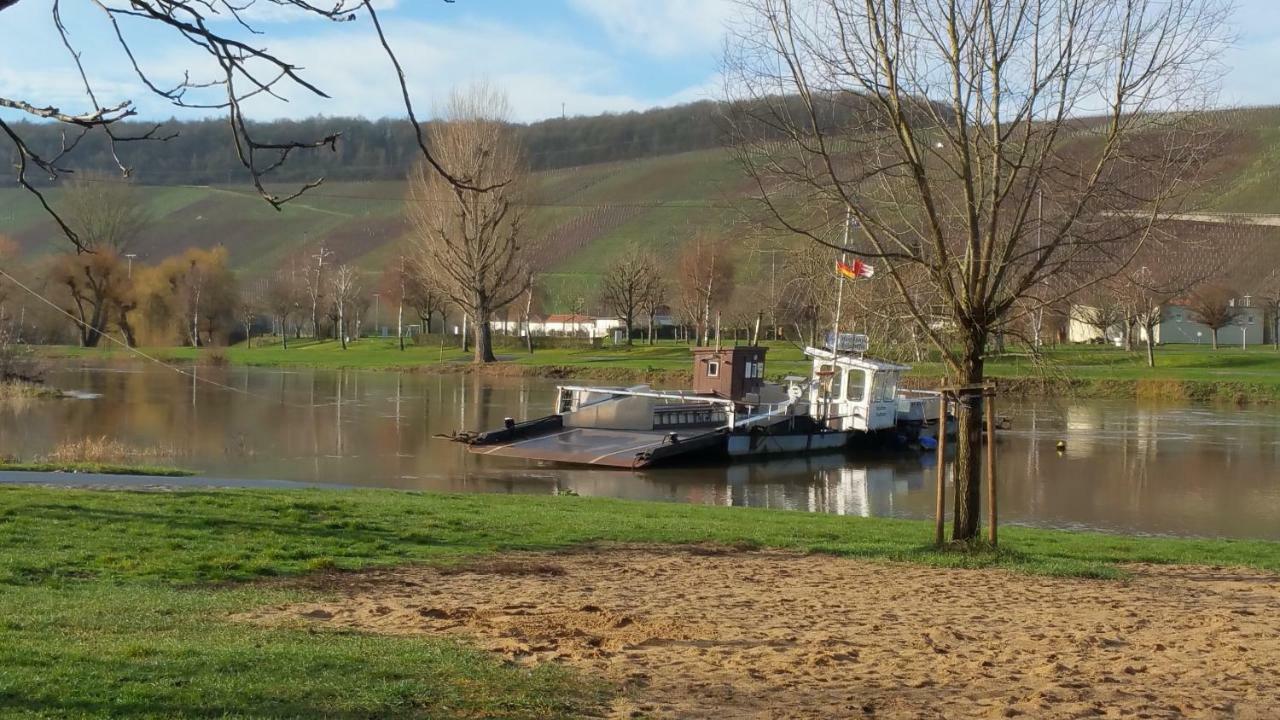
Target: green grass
pixel 95 468
pixel 1182 372
pixel 116 604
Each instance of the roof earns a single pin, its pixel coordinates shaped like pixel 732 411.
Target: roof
pixel 568 318
pixel 863 363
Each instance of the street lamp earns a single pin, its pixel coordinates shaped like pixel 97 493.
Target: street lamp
pixel 131 256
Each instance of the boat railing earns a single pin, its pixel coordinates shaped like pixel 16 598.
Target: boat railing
pixel 660 394
pixel 774 410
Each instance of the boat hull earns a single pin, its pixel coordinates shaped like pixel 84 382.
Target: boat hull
pixel 743 445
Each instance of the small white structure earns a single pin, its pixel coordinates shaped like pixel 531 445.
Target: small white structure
pixel 559 325
pixel 1178 325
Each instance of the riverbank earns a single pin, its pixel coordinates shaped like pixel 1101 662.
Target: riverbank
pixel 1183 373
pixel 173 595
pixel 95 468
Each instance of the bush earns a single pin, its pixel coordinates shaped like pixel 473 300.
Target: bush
pixel 18 361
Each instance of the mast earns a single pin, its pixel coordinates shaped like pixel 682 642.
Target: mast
pixel 835 324
pixel 844 257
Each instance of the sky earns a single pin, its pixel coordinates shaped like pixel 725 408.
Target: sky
pixel 580 56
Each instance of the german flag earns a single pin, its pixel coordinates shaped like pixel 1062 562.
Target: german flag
pixel 854 270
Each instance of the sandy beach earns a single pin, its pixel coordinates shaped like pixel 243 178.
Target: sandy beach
pixel 710 632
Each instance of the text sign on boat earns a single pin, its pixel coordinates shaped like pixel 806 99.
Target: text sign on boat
pixel 849 342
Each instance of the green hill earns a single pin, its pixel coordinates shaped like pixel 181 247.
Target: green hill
pixel 584 215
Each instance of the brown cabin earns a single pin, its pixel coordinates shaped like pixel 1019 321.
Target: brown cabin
pixel 730 372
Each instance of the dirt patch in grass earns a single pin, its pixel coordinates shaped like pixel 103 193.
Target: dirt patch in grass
pixel 691 633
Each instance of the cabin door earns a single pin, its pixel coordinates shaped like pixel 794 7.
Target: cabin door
pixel 853 406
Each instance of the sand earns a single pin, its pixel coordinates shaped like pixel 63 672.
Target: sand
pixel 704 632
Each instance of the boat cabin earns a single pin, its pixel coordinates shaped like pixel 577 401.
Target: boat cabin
pixel 732 373
pixel 853 392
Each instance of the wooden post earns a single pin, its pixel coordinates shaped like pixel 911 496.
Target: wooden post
pixel 941 508
pixel 989 401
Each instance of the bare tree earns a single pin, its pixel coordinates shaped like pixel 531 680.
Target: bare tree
pixel 345 288
pixel 937 126
pixel 1146 295
pixel 652 302
pixel 424 299
pixel 238 67
pixel 285 294
pixel 1215 307
pixel 628 284
pixel 316 286
pixel 707 273
pixel 469 243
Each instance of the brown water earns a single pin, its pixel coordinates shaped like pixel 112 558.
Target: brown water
pixel 1129 467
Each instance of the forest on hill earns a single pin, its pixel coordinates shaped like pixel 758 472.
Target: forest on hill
pixel 198 152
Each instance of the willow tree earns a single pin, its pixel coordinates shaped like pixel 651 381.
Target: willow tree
pixel 989 147
pixel 468 234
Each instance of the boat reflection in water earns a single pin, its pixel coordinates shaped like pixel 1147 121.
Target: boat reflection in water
pixel 832 486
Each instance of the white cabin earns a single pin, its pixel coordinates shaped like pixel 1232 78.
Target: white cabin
pixel 854 393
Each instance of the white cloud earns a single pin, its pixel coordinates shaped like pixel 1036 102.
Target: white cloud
pixel 267 11
pixel 539 70
pixel 661 28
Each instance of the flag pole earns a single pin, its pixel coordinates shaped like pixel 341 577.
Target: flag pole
pixel 835 325
pixel 844 257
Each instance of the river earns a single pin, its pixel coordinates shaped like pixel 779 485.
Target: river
pixel 1128 467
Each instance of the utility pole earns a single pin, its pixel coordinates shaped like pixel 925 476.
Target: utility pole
pixel 377 321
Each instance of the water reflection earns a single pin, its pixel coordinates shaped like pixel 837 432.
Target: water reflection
pixel 1130 467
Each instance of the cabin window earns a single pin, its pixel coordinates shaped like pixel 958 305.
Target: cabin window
pixel 855 384
pixel 713 369
pixel 830 381
pixel 884 387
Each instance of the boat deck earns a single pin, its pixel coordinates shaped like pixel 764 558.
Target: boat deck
pixel 593 446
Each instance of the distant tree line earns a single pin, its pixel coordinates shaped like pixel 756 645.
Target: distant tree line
pixel 380 149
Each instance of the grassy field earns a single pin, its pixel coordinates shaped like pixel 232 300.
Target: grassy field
pixel 115 604
pixel 1182 372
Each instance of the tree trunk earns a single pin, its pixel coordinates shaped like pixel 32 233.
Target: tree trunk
pixel 484 342
pixel 528 329
pixel 97 324
pixel 968 444
pixel 341 328
pixel 400 325
pixel 284 332
pixel 627 323
pixel 1151 346
pixel 1214 335
pixel 649 334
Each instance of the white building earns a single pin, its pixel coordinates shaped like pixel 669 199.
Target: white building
pixel 1177 326
pixel 559 325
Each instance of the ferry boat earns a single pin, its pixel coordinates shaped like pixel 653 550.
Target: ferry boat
pixel 731 412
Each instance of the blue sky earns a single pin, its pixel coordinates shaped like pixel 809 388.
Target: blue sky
pixel 591 55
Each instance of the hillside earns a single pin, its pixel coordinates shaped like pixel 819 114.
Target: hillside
pixel 585 214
